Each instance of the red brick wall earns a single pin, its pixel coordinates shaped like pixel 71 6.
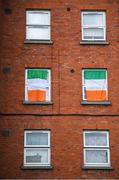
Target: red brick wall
pixel 66 146
pixel 0 27
pixel 65 54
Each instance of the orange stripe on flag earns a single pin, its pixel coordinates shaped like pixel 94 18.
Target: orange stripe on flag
pixel 96 95
pixel 36 95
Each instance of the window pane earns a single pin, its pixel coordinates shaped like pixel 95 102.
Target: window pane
pixel 36 138
pixel 96 139
pixel 37 85
pixel 93 33
pixel 95 85
pixel 94 74
pixel 38 18
pixel 37 156
pixel 93 19
pixel 96 156
pixel 38 33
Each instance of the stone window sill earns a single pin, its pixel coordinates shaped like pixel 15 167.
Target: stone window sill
pixel 37 167
pixel 94 43
pixel 38 42
pixel 106 103
pixel 97 168
pixel 37 103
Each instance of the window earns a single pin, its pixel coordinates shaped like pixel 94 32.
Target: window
pixel 37 148
pixel 93 26
pixel 94 85
pixel 37 85
pixel 38 25
pixel 96 148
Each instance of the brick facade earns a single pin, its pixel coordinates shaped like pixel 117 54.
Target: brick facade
pixel 66 117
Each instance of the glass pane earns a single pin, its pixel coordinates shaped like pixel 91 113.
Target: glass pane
pixel 38 85
pixel 94 74
pixel 93 19
pixel 36 138
pixel 37 156
pixel 34 84
pixel 95 79
pixel 38 18
pixel 38 33
pixel 99 85
pixel 38 92
pixel 96 139
pixel 93 33
pixel 96 156
pixel 34 74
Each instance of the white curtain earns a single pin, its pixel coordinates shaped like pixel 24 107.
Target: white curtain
pixel 94 32
pixel 37 138
pixel 36 155
pixel 93 19
pixel 38 18
pixel 39 33
pixel 96 156
pixel 95 139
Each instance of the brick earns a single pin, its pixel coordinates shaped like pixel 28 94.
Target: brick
pixel 66 118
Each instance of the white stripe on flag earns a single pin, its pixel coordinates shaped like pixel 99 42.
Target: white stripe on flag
pixel 35 84
pixel 96 84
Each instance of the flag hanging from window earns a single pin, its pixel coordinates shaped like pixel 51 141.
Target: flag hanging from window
pixel 37 85
pixel 95 85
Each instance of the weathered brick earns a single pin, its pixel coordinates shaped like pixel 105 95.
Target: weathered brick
pixel 66 118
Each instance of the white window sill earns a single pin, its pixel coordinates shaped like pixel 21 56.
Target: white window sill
pixel 97 168
pixel 37 167
pixel 94 43
pixel 37 103
pixel 106 103
pixel 28 41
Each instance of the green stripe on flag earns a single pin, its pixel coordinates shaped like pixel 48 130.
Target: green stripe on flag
pixel 37 74
pixel 94 74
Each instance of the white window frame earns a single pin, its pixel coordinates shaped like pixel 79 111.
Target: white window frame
pixel 38 25
pixel 38 147
pixel 98 148
pixel 83 82
pixel 49 80
pixel 91 26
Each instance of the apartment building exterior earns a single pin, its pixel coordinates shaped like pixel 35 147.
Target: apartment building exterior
pixel 59 112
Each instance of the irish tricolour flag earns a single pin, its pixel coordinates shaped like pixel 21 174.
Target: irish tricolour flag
pixel 95 85
pixel 37 85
